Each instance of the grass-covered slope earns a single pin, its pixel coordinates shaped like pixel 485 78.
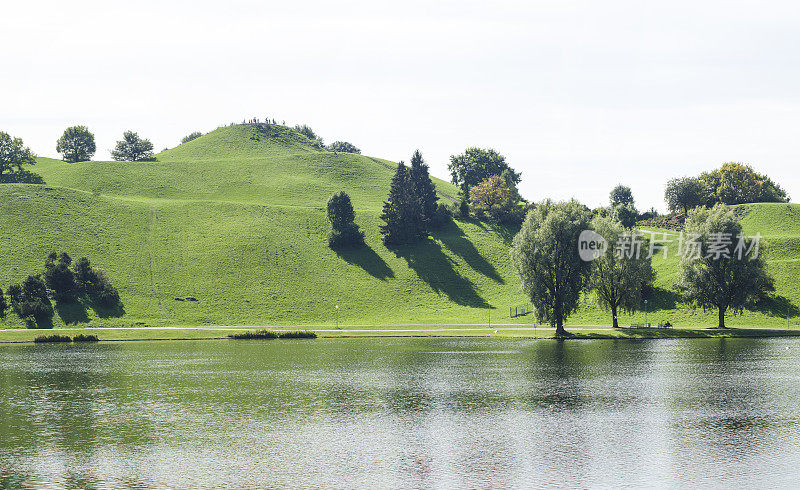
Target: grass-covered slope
pixel 236 220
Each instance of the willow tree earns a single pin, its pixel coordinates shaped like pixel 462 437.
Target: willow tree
pixel 545 254
pixel 618 279
pixel 721 269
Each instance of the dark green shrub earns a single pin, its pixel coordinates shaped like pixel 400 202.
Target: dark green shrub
pixel 442 216
pixel 299 334
pixel 85 338
pixel 52 338
pixel 191 136
pixel 344 233
pixel 60 278
pixel 253 334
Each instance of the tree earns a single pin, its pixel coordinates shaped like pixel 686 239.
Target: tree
pixel 684 193
pixel 626 214
pixel 132 148
pixel 344 231
pixel 545 254
pixel 618 280
pixel 621 195
pixel 94 283
pixel 309 133
pixel 726 273
pixel 59 278
pixel 14 156
pixel 343 147
pixel 403 221
pixel 475 165
pixel 30 300
pixel 423 188
pixel 76 144
pixel 738 183
pixel 191 136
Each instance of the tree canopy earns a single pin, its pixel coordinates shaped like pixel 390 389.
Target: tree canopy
pixel 76 144
pixel 545 254
pixel 132 148
pixel 14 157
pixel 343 147
pixel 475 165
pixel 621 195
pixel 684 193
pixel 726 270
pixel 191 136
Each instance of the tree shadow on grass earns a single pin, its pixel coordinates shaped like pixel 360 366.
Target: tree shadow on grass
pixel 367 259
pixel 661 299
pixel 777 305
pixel 505 232
pixel 105 311
pixel 436 269
pixel 452 236
pixel 72 312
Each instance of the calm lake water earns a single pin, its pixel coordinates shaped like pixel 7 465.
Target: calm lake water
pixel 401 413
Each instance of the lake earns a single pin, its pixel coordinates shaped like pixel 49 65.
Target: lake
pixel 402 413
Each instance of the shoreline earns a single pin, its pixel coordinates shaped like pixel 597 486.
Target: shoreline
pixel 123 334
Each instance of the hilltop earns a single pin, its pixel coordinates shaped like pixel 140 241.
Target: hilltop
pixel 235 219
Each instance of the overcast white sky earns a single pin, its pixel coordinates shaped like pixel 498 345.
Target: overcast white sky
pixel 578 95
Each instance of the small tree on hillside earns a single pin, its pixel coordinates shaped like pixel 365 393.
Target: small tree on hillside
pixel 343 147
pixel 423 188
pixel 726 273
pixel 76 144
pixel 309 133
pixel 191 136
pixel 618 280
pixel 132 148
pixel 545 254
pixel 344 231
pixel 14 157
pixel 621 195
pixel 625 214
pixel 401 215
pixel 475 165
pixel 684 193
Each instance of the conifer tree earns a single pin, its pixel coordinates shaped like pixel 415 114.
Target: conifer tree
pixel 404 223
pixel 424 188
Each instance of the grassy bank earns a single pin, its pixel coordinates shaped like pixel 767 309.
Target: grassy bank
pixel 208 333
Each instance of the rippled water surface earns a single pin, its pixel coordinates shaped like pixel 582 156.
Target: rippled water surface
pixel 401 413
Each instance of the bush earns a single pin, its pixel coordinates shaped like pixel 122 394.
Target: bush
pixel 85 338
pixel 253 334
pixel 30 301
pixel 463 208
pixel 343 147
pixel 299 334
pixel 52 338
pixel 60 278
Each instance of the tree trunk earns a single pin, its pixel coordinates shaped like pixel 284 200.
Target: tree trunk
pixel 614 315
pixel 722 318
pixel 559 321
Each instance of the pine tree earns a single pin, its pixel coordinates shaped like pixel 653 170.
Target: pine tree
pixel 404 222
pixel 424 188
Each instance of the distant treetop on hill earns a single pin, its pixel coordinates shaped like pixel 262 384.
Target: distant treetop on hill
pixel 732 183
pixel 476 165
pixel 76 144
pixel 191 136
pixel 132 148
pixel 343 147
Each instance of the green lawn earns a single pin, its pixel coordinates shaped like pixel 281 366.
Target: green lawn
pixel 236 220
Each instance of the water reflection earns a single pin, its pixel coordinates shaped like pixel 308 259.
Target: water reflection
pixel 401 413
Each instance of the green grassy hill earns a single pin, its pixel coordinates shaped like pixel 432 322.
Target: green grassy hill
pixel 236 220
